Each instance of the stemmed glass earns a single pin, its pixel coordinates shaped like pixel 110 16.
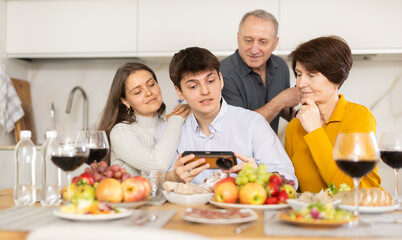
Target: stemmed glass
pixel 356 154
pixel 98 145
pixel 391 154
pixel 70 152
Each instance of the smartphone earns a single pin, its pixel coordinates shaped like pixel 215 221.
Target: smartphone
pixel 216 160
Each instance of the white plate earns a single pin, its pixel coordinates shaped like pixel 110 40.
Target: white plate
pixel 129 204
pixel 252 216
pixel 296 204
pixel 364 209
pixel 93 217
pixel 256 207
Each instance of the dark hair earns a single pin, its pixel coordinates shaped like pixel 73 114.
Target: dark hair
pixel 115 111
pixel 191 60
pixel 331 56
pixel 259 13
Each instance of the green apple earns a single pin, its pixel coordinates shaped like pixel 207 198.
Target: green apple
pixel 83 192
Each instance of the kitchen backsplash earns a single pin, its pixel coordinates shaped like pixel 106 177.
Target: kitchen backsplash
pixel 375 84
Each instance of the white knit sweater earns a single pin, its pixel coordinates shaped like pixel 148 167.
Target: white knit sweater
pixel 147 144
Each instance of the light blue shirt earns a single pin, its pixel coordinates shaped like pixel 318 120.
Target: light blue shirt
pixel 238 130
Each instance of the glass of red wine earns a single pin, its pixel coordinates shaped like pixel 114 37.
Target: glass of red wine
pixel 356 154
pixel 70 152
pixel 98 145
pixel 391 154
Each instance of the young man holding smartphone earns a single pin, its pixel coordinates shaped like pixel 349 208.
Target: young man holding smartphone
pixel 216 126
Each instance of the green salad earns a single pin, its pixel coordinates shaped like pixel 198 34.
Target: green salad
pixel 332 190
pixel 319 211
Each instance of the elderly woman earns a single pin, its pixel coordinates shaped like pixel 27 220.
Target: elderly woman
pixel 321 66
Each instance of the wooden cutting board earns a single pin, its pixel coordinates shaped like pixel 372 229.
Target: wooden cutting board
pixel 23 89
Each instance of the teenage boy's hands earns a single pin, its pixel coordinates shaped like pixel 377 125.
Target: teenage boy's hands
pixel 238 167
pixel 186 170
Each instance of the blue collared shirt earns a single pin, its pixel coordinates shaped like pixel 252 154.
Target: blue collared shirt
pixel 239 130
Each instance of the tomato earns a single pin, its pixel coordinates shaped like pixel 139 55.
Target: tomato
pixel 86 178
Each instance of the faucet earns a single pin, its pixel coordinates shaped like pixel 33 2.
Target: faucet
pixel 70 102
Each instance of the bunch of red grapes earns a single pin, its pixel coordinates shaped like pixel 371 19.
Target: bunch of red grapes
pixel 100 170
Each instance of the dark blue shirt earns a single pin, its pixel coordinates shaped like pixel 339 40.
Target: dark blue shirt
pixel 244 88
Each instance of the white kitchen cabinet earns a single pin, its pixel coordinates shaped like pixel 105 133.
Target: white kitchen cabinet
pixel 369 26
pixel 164 27
pixel 71 28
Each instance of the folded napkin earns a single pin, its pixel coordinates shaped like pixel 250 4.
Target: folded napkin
pixel 10 104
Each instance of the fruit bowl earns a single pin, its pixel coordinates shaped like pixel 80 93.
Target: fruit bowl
pixel 188 199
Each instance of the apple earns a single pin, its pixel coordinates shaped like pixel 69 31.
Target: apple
pixel 83 192
pixel 272 189
pixel 289 190
pixel 276 179
pixel 110 190
pixel 86 178
pixel 253 193
pixel 228 179
pixel 271 200
pixel 64 193
pixel 133 190
pixel 282 196
pixel 227 192
pixel 146 184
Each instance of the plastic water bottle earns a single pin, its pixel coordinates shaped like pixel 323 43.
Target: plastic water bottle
pixel 51 174
pixel 25 157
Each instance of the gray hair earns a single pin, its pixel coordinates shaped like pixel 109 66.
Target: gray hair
pixel 259 13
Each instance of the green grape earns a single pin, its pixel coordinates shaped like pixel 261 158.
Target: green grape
pixel 238 180
pixel 260 181
pixel 252 178
pixel 263 167
pixel 244 180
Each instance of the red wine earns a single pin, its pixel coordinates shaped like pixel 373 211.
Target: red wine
pixel 69 163
pixel 392 158
pixel 97 154
pixel 356 169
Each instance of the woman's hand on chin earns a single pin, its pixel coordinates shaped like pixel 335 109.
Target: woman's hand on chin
pixel 309 115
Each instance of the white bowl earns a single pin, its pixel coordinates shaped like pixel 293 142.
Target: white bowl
pixel 188 200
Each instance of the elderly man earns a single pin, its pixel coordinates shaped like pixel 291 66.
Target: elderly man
pixel 256 79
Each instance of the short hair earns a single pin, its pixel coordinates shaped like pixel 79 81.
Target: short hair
pixel 191 60
pixel 329 55
pixel 259 13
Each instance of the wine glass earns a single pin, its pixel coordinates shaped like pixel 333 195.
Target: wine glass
pixel 70 152
pixel 356 154
pixel 391 154
pixel 98 145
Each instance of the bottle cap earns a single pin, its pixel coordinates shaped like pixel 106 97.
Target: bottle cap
pixel 25 134
pixel 51 134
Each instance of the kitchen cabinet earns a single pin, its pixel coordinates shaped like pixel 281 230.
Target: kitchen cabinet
pixel 164 27
pixel 70 28
pixel 369 26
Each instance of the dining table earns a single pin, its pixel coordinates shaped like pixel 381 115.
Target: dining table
pixel 177 223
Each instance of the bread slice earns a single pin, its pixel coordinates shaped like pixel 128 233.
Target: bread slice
pixel 367 197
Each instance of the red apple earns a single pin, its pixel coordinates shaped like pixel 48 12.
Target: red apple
pixel 282 196
pixel 146 184
pixel 133 190
pixel 253 193
pixel 109 190
pixel 272 189
pixel 228 179
pixel 227 192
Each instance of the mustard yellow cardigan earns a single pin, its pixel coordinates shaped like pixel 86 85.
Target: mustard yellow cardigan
pixel 311 153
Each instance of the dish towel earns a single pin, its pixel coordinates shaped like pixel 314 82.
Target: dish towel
pixel 10 104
